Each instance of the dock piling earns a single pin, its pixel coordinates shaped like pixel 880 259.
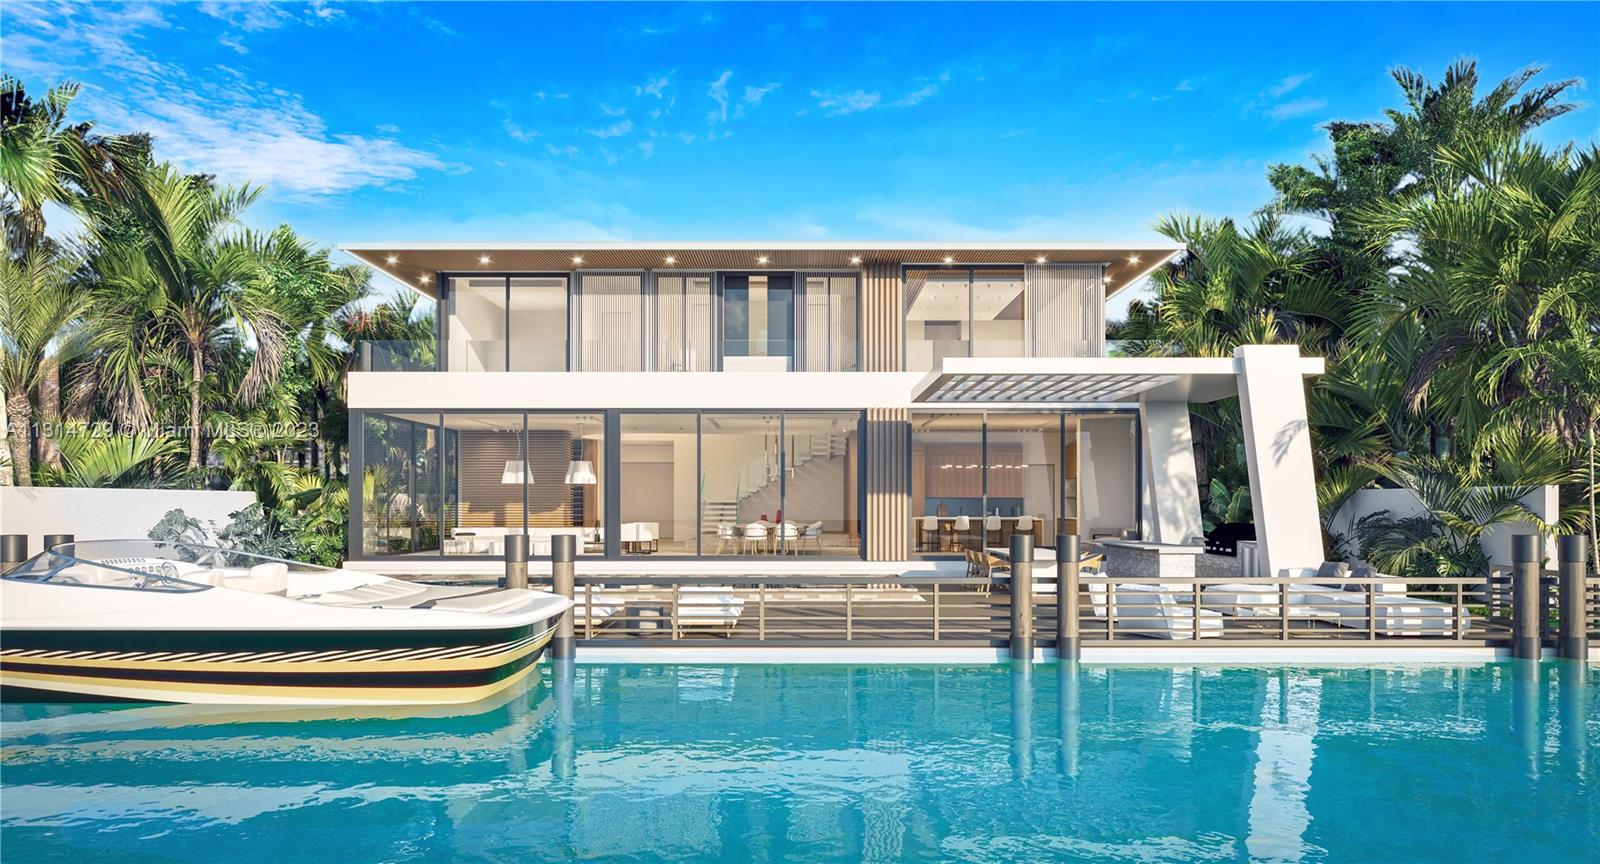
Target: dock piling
pixel 1572 593
pixel 13 551
pixel 516 562
pixel 563 578
pixel 1021 642
pixel 1527 608
pixel 1068 570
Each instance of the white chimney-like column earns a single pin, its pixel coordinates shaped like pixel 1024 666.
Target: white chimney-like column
pixel 1277 443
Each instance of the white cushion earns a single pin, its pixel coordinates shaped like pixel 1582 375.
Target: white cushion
pixel 271 577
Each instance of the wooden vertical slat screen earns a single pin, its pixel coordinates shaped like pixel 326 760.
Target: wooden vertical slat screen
pixel 883 318
pixel 888 504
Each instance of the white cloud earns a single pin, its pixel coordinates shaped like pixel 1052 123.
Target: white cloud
pixel 654 87
pixel 566 150
pixel 846 102
pixel 754 95
pixel 388 128
pixel 612 112
pixel 520 134
pixel 1184 86
pixel 1295 108
pixel 238 129
pixel 1287 85
pixel 648 148
pixel 918 95
pixel 718 91
pixel 615 130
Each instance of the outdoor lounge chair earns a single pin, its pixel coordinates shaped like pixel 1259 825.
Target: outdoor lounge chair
pixel 709 606
pixel 1155 611
pixel 1335 599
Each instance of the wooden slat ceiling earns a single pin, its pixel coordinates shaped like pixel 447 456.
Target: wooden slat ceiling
pixel 416 264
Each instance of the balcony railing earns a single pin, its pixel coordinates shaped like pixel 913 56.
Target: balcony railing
pixel 397 356
pixel 928 609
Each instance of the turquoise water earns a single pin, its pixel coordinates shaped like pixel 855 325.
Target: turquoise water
pixel 834 763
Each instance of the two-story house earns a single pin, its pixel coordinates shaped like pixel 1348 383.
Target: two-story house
pixel 784 406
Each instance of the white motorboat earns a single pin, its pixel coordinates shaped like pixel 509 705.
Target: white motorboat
pixel 150 621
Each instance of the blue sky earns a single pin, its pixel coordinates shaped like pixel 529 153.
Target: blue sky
pixel 503 121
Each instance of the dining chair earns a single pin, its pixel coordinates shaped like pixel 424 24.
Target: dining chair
pixel 993 529
pixel 788 536
pixel 813 533
pixel 961 531
pixel 1025 526
pixel 727 535
pixel 755 537
pixel 928 533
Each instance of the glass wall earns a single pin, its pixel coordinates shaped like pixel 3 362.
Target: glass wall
pixel 999 319
pixel 758 321
pixel 400 484
pixel 829 323
pixel 1014 472
pixel 947 503
pixel 938 314
pixel 610 322
pixel 741 481
pixel 484 469
pixel 538 324
pixel 1047 310
pixel 821 465
pixel 683 323
pixel 660 467
pixel 1023 457
pixel 566 481
pixel 477 327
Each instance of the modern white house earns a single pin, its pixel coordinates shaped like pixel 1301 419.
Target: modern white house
pixel 784 407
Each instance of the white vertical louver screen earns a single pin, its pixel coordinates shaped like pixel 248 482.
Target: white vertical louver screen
pixel 1066 305
pixel 611 318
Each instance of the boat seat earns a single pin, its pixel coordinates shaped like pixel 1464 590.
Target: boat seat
pixel 491 600
pixel 90 574
pixel 392 593
pixel 271 577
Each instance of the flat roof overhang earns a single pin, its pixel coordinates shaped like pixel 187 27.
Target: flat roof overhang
pixel 415 263
pixel 995 381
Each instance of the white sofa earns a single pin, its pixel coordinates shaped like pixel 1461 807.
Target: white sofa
pixel 1156 611
pixel 1339 600
pixel 492 540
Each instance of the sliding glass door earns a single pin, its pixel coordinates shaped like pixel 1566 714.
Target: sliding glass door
pixel 758 322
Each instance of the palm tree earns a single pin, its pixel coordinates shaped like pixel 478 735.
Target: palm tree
pixel 38 304
pixel 1504 281
pixel 193 286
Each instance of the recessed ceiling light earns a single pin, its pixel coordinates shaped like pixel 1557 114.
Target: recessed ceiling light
pixel 855 259
pixel 577 259
pixel 671 260
pixel 1039 260
pixel 483 259
pixel 393 259
pixel 422 278
pixel 1133 259
pixel 949 260
pixel 761 260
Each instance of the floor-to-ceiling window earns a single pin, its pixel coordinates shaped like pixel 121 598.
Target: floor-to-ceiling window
pixel 1041 310
pixel 611 322
pixel 682 319
pixel 476 334
pixel 401 508
pixel 758 321
pixel 946 482
pixel 828 323
pixel 566 481
pixel 659 472
pixel 538 323
pixel 741 482
pixel 821 458
pixel 977 479
pixel 485 467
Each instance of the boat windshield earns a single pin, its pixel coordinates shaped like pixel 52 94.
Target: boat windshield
pixel 150 565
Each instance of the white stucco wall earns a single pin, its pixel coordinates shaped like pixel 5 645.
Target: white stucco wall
pixel 1172 491
pixel 1496 542
pixel 107 514
pixel 1277 442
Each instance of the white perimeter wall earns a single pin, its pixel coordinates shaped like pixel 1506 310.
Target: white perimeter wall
pixel 1496 542
pixel 107 514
